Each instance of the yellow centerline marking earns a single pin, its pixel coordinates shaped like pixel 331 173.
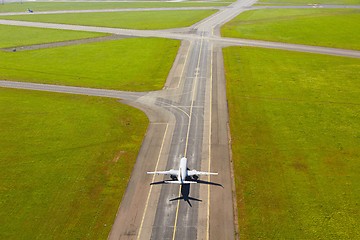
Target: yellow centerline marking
pixel 153 179
pixel 193 97
pixel 188 131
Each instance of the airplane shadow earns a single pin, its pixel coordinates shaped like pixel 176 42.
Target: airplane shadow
pixel 209 183
pixel 156 183
pixel 185 190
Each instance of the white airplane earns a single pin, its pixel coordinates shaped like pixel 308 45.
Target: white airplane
pixel 182 175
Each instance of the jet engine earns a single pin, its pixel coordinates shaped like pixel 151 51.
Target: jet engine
pixel 195 177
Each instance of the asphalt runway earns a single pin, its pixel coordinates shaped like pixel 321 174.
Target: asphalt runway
pixel 187 118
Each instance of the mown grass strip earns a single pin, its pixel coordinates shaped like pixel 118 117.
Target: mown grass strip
pixel 128 20
pixel 295 128
pixel 337 28
pixel 59 6
pixel 13 36
pixel 64 163
pixel 130 64
pixel 307 2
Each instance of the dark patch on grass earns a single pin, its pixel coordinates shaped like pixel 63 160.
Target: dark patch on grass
pixel 300 165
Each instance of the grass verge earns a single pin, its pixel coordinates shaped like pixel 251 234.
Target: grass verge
pixel 130 64
pixel 295 128
pixel 307 2
pixel 57 6
pixel 65 163
pixel 337 28
pixel 13 36
pixel 128 20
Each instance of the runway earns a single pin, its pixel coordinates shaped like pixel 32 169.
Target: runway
pixel 187 118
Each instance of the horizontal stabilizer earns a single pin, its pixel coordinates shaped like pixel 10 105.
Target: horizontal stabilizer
pixel 194 172
pixel 170 172
pixel 179 182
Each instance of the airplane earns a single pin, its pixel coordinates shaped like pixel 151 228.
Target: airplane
pixel 182 175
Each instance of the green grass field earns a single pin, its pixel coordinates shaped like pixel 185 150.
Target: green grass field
pixel 128 20
pixel 57 6
pixel 13 36
pixel 306 2
pixel 130 64
pixel 295 128
pixel 65 161
pixel 337 28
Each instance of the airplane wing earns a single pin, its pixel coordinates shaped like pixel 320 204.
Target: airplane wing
pixel 194 172
pixel 170 172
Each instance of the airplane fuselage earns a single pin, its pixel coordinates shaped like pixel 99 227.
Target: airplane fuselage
pixel 182 169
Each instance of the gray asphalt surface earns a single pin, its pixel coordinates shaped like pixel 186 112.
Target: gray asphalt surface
pixel 187 118
pixel 132 96
pixel 288 46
